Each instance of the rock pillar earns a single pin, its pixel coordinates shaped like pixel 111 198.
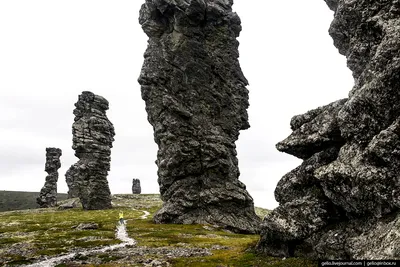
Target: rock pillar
pixel 196 100
pixel 93 135
pixel 48 194
pixel 136 189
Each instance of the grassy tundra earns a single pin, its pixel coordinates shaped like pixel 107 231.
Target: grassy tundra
pixel 29 236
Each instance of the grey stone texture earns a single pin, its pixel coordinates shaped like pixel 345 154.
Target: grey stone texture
pixel 70 204
pixel 343 201
pixel 48 194
pixel 71 179
pixel 93 135
pixel 136 189
pixel 196 100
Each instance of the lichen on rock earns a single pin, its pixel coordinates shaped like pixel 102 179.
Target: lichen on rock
pixel 196 100
pixel 93 135
pixel 343 202
pixel 48 194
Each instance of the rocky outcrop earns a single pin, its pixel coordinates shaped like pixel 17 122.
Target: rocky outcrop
pixel 136 189
pixel 196 101
pixel 70 204
pixel 72 182
pixel 93 135
pixel 48 194
pixel 343 202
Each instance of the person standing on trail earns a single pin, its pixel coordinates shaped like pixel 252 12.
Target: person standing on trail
pixel 121 217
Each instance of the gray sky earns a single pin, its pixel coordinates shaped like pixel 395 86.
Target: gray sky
pixel 51 51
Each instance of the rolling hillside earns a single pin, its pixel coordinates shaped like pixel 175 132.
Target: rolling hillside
pixel 17 200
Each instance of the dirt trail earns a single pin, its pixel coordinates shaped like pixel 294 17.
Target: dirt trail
pixel 145 215
pixel 120 234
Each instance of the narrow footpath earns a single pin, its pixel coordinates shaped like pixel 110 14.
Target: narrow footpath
pixel 120 234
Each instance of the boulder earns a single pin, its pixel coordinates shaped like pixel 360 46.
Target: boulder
pixel 69 204
pixel 86 226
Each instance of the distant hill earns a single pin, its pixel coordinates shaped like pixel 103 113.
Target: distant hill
pixel 17 200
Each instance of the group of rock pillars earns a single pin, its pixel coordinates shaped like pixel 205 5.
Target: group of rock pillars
pixel 336 205
pixel 93 135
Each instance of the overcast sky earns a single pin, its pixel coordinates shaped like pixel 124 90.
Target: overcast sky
pixel 51 51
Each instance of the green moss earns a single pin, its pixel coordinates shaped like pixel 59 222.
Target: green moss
pixel 9 240
pixel 51 251
pixel 234 258
pixel 81 257
pixel 95 243
pixel 17 260
pixel 108 258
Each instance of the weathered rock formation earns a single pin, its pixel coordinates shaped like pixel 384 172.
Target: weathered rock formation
pixel 48 194
pixel 136 189
pixel 93 135
pixel 71 179
pixel 196 101
pixel 343 201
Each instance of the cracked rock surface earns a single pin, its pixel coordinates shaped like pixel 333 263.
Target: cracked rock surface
pixel 343 201
pixel 48 194
pixel 93 135
pixel 196 100
pixel 70 178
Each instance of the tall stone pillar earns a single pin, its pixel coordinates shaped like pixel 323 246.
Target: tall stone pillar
pixel 93 135
pixel 136 189
pixel 48 194
pixel 196 100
